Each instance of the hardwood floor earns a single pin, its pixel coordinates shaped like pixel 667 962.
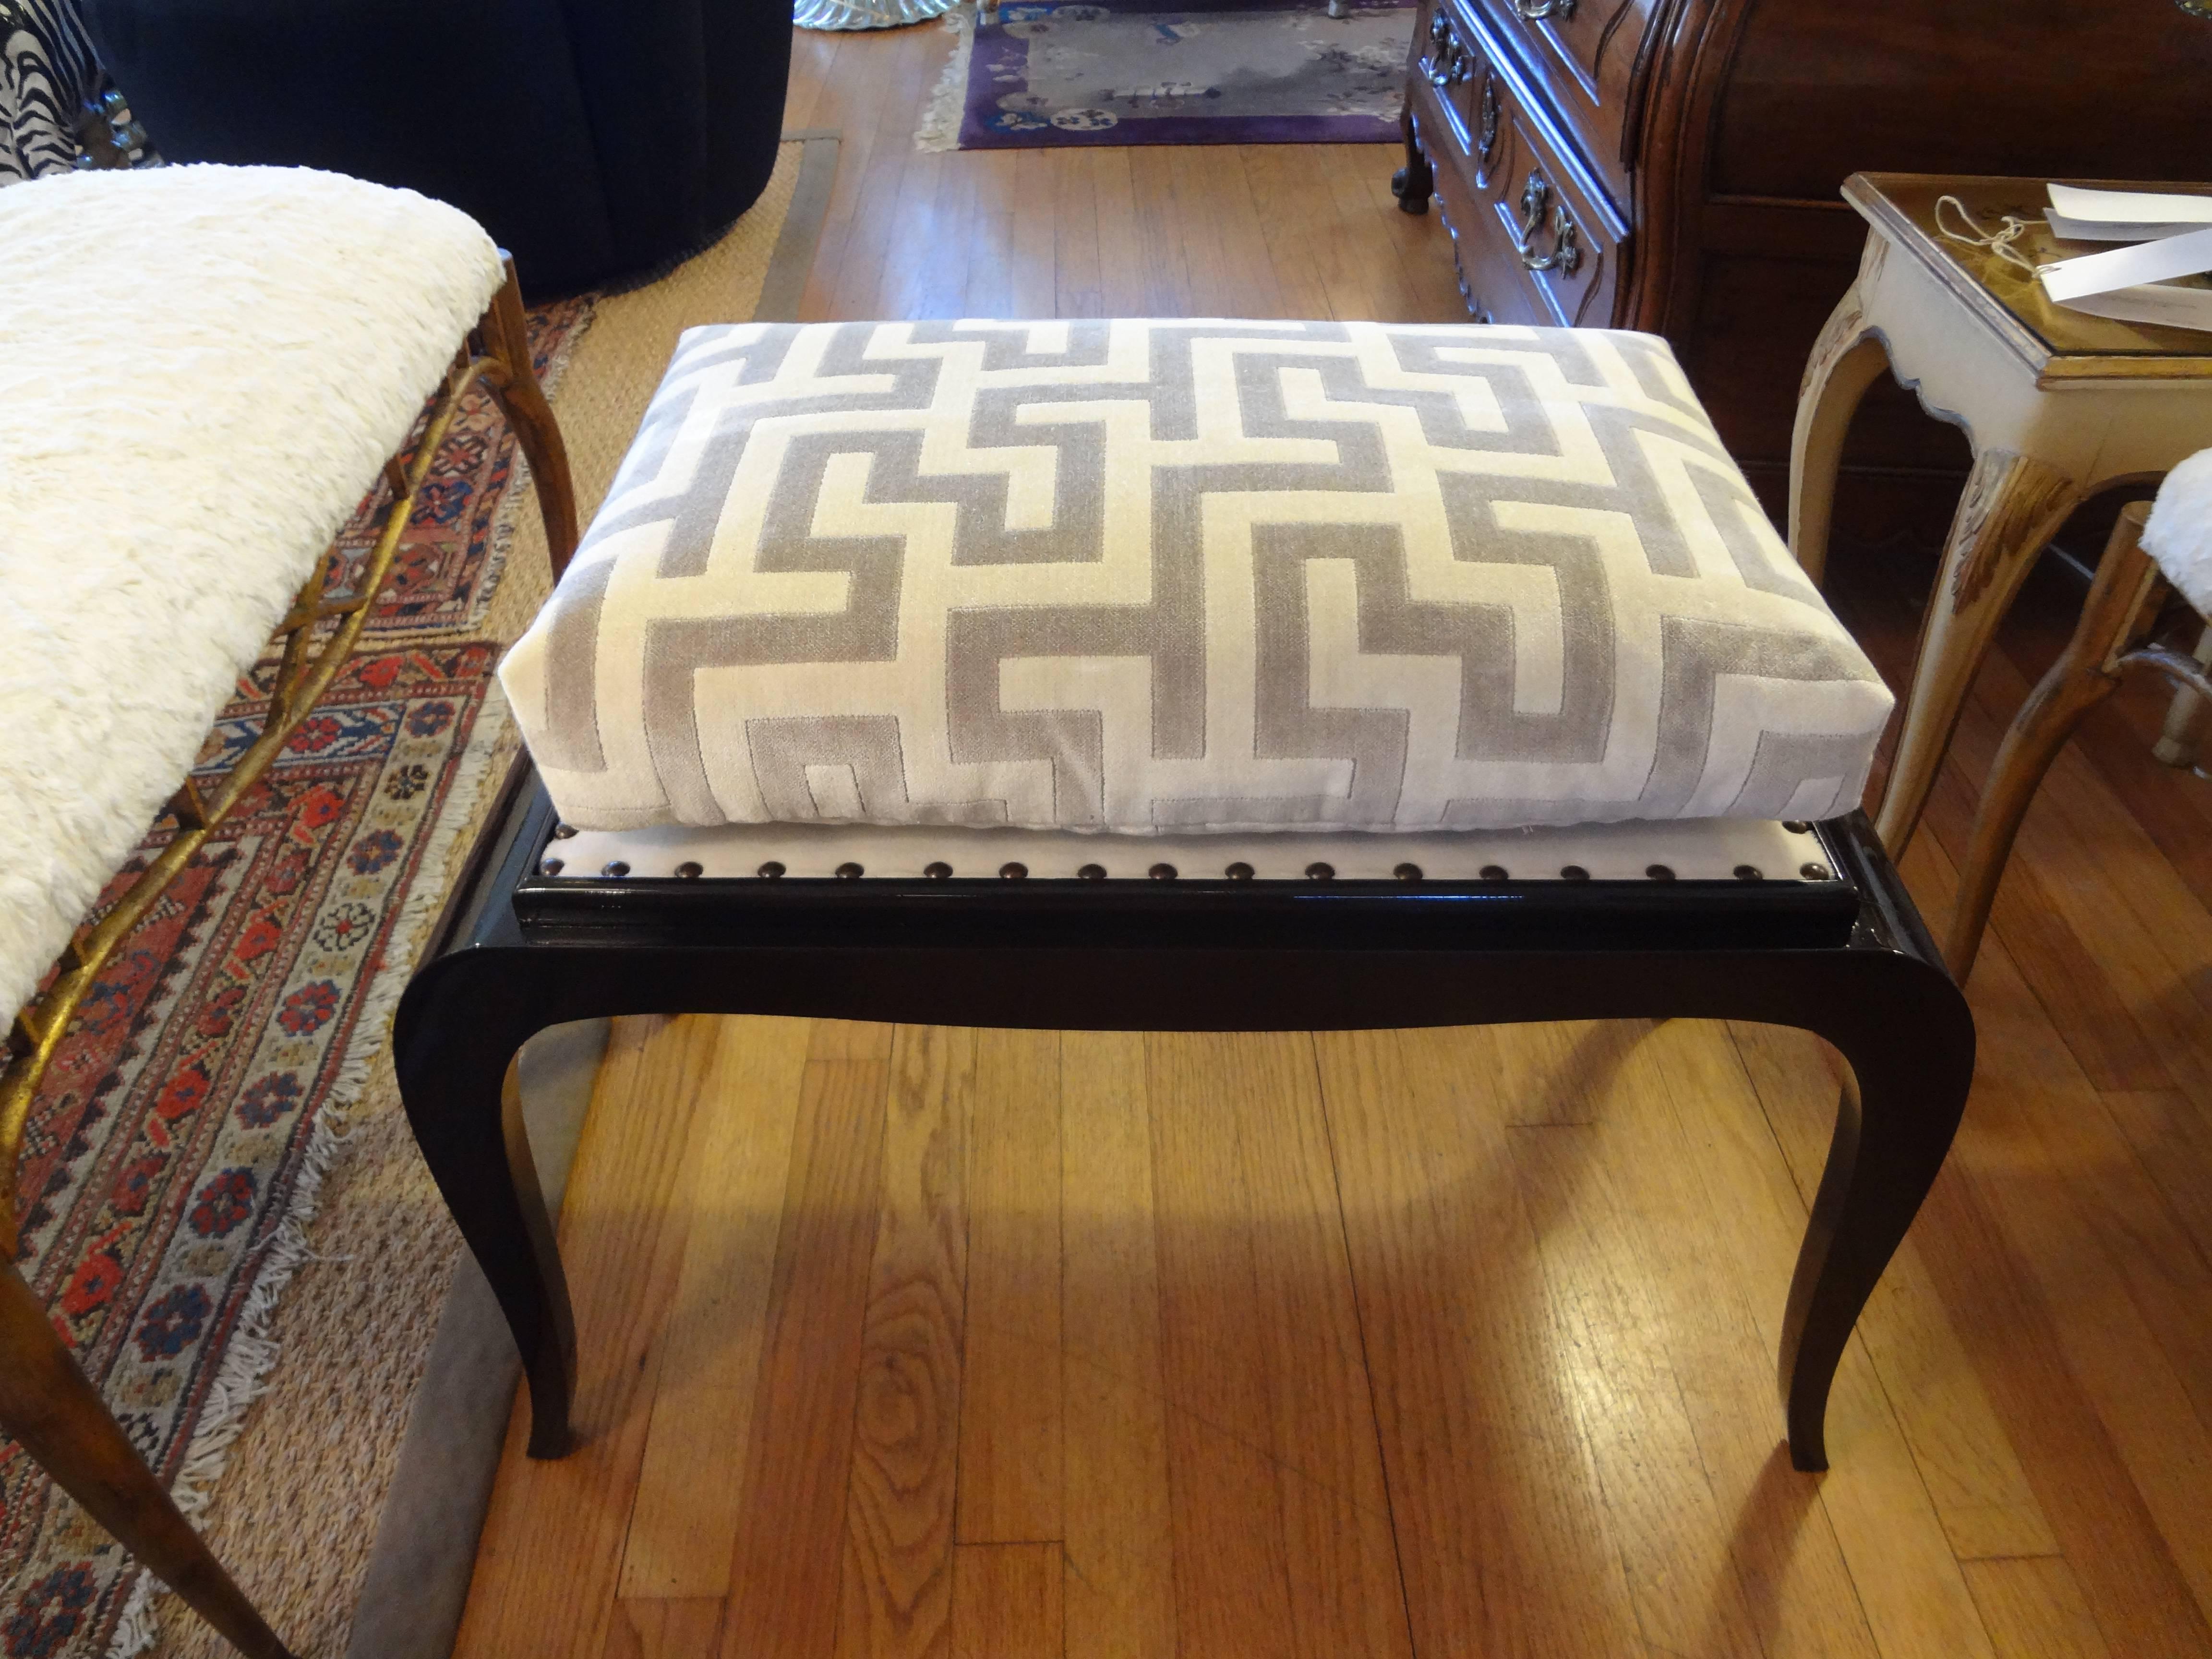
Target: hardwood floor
pixel 918 1341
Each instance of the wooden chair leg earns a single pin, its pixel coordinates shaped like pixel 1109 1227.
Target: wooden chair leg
pixel 506 337
pixel 2013 506
pixel 2085 674
pixel 57 1416
pixel 1846 360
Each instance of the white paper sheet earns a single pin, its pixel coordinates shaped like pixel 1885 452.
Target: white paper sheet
pixel 2143 206
pixel 2112 230
pixel 2128 267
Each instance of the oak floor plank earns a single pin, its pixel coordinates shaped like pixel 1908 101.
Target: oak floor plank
pixel 1123 272
pixel 2034 1609
pixel 1006 1600
pixel 1120 1514
pixel 787 1562
pixel 1011 1436
pixel 550 1557
pixel 665 1627
pixel 680 1539
pixel 897 1588
pixel 1036 275
pixel 1169 289
pixel 1076 278
pixel 1282 1530
pixel 1502 1533
pixel 991 236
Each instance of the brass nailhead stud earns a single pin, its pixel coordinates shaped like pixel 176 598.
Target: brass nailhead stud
pixel 1749 872
pixel 1573 872
pixel 1013 872
pixel 1238 872
pixel 1408 872
pixel 562 831
pixel 770 870
pixel 690 872
pixel 615 869
pixel 1492 872
pixel 1813 871
pixel 1092 872
pixel 1797 826
pixel 1162 872
pixel 1321 872
pixel 850 873
pixel 549 867
pixel 937 871
pixel 1659 871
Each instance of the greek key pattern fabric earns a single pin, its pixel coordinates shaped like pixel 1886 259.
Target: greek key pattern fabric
pixel 1172 577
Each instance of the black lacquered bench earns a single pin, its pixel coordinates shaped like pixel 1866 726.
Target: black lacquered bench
pixel 1802 925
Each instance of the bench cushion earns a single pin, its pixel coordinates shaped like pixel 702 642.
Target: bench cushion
pixel 1156 577
pixel 202 370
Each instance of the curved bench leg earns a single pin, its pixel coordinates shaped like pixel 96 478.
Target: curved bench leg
pixel 506 335
pixel 459 1030
pixel 1911 1068
pixel 50 1408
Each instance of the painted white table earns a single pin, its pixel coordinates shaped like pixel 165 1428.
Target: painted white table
pixel 2057 404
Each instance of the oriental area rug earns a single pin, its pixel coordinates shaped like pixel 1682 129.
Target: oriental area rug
pixel 1057 72
pixel 222 1207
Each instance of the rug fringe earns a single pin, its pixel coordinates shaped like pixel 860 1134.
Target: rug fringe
pixel 248 1362
pixel 939 128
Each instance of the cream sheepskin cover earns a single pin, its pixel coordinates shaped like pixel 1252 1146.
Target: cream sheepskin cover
pixel 2180 532
pixel 201 370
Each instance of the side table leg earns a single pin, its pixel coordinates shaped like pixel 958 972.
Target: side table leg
pixel 49 1408
pixel 1847 359
pixel 2012 505
pixel 460 1026
pixel 2083 677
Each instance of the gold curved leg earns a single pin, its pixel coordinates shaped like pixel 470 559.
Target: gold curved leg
pixel 2012 506
pixel 507 339
pixel 1847 359
pixel 2086 673
pixel 50 1409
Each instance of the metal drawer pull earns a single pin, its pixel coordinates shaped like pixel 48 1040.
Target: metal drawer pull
pixel 1566 240
pixel 1487 138
pixel 1567 252
pixel 1535 11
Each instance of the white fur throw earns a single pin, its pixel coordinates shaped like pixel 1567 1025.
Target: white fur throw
pixel 201 370
pixel 2179 533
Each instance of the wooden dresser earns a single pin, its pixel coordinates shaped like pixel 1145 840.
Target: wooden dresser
pixel 1675 165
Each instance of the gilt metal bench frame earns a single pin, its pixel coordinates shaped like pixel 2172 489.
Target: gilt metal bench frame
pixel 519 950
pixel 47 1405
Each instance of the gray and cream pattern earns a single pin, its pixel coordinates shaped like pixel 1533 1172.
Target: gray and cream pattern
pixel 1155 576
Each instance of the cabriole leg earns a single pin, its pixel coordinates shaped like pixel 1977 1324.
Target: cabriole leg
pixel 1911 1057
pixel 461 1023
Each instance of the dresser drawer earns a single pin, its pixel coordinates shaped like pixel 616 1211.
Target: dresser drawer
pixel 1534 240
pixel 1583 56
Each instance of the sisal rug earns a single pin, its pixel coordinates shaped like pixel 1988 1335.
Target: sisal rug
pixel 1263 72
pixel 223 1207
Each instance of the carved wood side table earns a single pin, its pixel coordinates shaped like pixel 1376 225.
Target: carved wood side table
pixel 2058 405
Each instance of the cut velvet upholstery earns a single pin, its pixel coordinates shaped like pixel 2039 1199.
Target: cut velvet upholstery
pixel 591 139
pixel 1152 577
pixel 176 451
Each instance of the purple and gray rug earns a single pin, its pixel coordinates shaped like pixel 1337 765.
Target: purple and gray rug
pixel 1266 71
